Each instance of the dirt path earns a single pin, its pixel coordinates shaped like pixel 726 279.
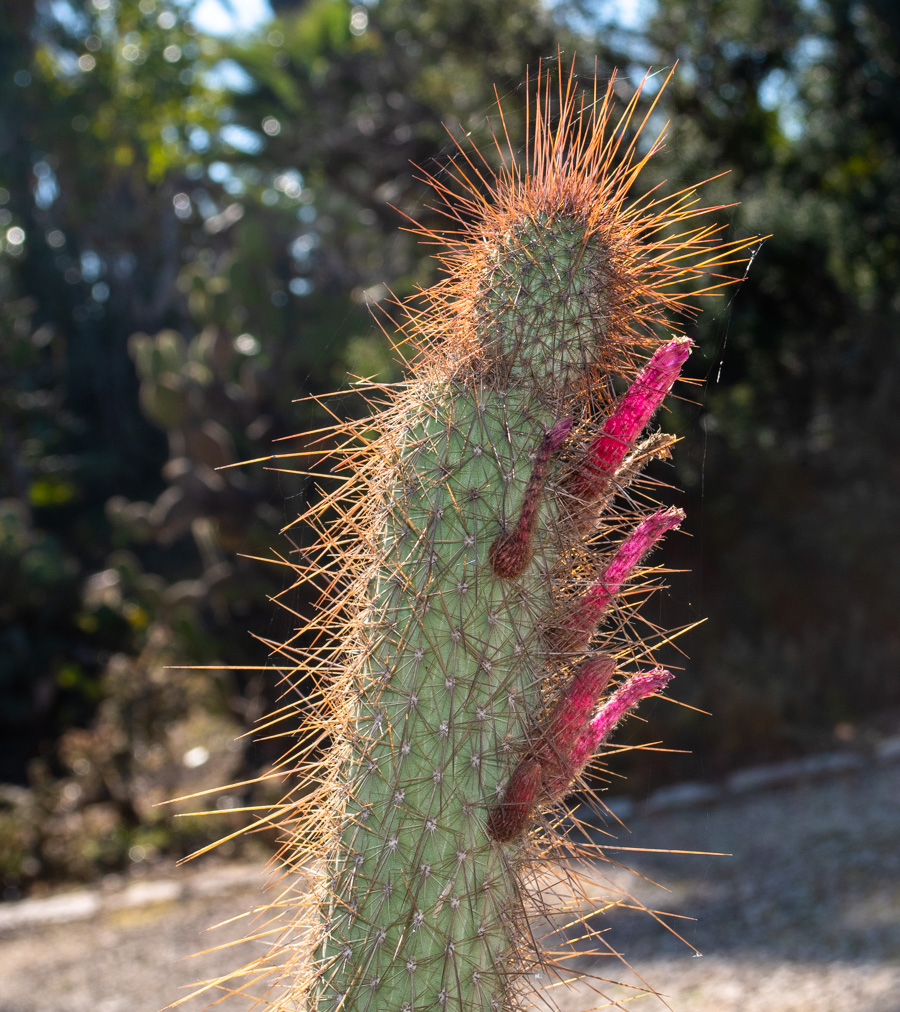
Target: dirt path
pixel 804 916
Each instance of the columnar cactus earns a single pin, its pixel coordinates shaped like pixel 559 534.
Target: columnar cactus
pixel 479 571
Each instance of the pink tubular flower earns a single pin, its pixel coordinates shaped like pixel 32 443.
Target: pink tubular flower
pixel 637 687
pixel 510 553
pixel 575 632
pixel 628 419
pixel 565 746
pixel 568 722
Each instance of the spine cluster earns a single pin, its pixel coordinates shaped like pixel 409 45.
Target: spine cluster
pixel 481 571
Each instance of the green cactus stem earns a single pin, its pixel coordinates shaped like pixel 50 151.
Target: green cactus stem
pixel 473 649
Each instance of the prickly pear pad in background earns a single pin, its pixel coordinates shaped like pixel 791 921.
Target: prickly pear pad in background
pixel 479 566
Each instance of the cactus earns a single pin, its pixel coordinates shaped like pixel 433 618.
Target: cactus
pixel 481 569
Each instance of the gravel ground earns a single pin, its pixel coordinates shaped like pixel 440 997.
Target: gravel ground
pixel 804 916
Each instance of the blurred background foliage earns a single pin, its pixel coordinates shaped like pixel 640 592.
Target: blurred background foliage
pixel 193 231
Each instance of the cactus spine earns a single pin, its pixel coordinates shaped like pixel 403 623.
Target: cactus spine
pixel 480 570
